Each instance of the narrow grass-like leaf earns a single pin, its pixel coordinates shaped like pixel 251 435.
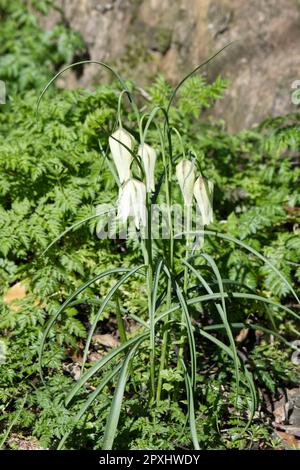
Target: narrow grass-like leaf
pixel 91 398
pixel 72 227
pixel 189 328
pixel 253 394
pixel 152 323
pixel 253 326
pixel 151 117
pixel 54 317
pixel 216 271
pixel 248 375
pixel 99 365
pixel 83 62
pixel 223 314
pixel 237 295
pixel 222 311
pixel 217 342
pixel 192 73
pixel 246 247
pixel 115 409
pixel 191 407
pixel 105 302
pixel 13 422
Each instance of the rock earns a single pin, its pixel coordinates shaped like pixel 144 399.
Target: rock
pixel 143 37
pixel 296 355
pixel 287 412
pixel 294 408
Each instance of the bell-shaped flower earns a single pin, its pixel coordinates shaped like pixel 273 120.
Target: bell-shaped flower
pixel 132 202
pixel 185 173
pixel 121 144
pixel 148 157
pixel 203 192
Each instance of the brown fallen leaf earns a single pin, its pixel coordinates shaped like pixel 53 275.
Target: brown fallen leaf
pixel 243 333
pixel 289 440
pixel 106 340
pixel 292 210
pixel 15 293
pixel 94 357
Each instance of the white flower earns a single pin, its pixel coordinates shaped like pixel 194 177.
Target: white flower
pixel 122 157
pixel 148 156
pixel 132 202
pixel 186 177
pixel 203 192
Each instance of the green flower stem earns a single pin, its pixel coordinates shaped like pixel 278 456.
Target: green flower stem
pixel 185 288
pixel 149 292
pixel 165 339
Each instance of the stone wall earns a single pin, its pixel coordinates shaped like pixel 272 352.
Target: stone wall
pixel 144 37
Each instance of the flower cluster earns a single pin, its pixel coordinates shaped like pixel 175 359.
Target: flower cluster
pixel 200 188
pixel 133 192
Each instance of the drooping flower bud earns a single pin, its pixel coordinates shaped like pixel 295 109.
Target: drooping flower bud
pixel 132 202
pixel 120 143
pixel 185 173
pixel 148 156
pixel 203 192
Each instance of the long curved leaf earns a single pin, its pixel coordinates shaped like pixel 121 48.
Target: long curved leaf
pixel 115 409
pixel 91 398
pixel 191 407
pixel 237 295
pixel 106 300
pixel 193 72
pixel 223 313
pixel 246 247
pixel 67 303
pixel 189 328
pixel 69 229
pixel 98 366
pixel 84 62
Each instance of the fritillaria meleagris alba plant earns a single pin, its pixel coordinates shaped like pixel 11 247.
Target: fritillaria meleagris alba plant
pixel 145 171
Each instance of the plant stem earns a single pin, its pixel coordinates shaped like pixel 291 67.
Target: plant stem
pixel 149 292
pixel 165 339
pixel 120 322
pixel 13 422
pixel 185 287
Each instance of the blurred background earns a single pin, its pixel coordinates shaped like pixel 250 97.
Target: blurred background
pixel 145 37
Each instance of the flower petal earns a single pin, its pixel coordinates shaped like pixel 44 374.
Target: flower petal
pixel 148 156
pixel 132 202
pixel 121 143
pixel 185 173
pixel 203 192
